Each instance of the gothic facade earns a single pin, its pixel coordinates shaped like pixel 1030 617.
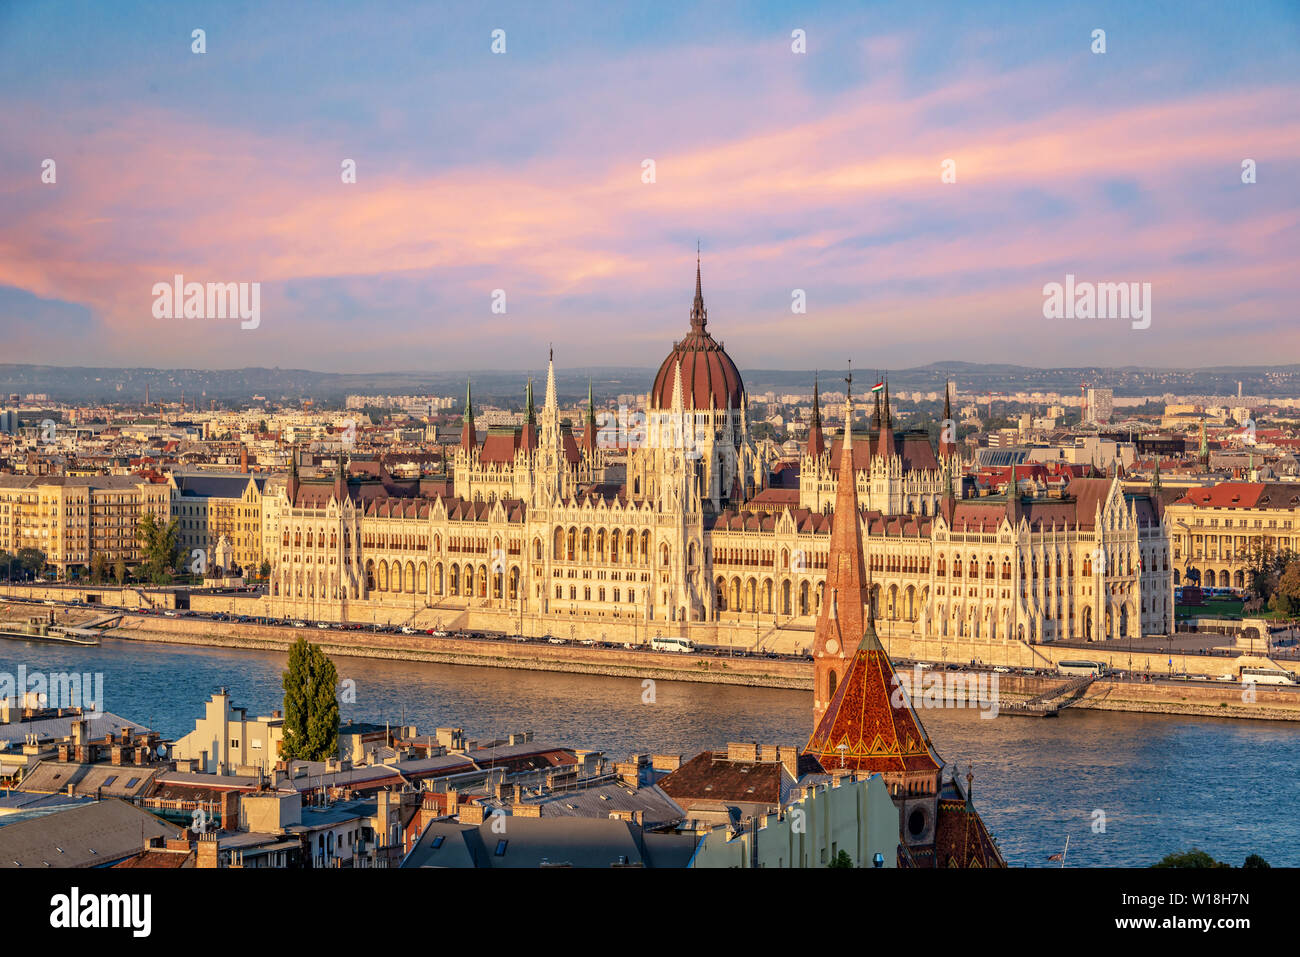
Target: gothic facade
pixel 676 527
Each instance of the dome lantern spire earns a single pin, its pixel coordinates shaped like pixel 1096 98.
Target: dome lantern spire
pixel 699 315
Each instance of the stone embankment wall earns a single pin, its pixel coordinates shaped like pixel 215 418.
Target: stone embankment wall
pixel 580 659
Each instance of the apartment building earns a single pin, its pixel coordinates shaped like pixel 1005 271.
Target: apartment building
pixel 211 506
pixel 73 518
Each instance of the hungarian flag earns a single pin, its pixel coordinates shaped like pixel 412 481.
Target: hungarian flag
pixel 1055 857
pixel 879 386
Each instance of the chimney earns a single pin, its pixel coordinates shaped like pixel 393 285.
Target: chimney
pixel 207 852
pixel 666 762
pixel 230 810
pixel 790 758
pixel 741 751
pixel 471 814
pixel 629 772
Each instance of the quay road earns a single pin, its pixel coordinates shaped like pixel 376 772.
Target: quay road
pixel 1185 647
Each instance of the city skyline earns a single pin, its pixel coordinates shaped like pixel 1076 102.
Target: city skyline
pixel 522 171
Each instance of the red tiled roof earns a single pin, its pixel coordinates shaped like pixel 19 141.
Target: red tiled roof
pixel 1239 495
pixel 961 838
pixel 876 735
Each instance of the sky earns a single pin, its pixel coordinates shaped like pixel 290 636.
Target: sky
pixel 502 202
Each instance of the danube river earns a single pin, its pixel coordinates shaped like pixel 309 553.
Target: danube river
pixel 1126 788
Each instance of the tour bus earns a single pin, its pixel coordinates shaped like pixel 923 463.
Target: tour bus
pixel 1081 668
pixel 1267 676
pixel 672 644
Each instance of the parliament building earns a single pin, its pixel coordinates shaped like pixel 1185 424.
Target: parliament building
pixel 677 528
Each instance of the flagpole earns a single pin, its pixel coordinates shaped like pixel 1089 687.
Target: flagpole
pixel 1066 851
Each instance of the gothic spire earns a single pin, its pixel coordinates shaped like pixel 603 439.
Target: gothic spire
pixel 816 439
pixel 885 447
pixel 468 437
pixel 947 447
pixel 699 315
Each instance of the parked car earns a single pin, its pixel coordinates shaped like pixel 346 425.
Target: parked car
pixel 1002 670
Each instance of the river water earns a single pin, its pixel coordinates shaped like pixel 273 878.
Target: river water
pixel 1126 788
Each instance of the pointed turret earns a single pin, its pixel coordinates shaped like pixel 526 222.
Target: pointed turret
pixel 589 428
pixel 291 485
pixel 468 437
pixel 340 482
pixel 1013 497
pixel 816 438
pixel 551 402
pixel 528 433
pixel 948 427
pixel 885 446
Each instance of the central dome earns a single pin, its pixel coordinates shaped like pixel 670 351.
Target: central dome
pixel 709 377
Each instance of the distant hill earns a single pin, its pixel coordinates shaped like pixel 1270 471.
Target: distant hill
pixel 84 384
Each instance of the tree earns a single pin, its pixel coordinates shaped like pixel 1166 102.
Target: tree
pixel 1286 594
pixel 98 568
pixel 842 859
pixel 119 572
pixel 265 570
pixel 1193 858
pixel 311 707
pixel 6 562
pixel 161 551
pixel 1257 862
pixel 31 561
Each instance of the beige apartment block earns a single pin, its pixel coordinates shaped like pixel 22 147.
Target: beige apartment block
pixel 71 519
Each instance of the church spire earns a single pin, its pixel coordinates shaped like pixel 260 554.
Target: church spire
pixel 530 416
pixel 841 623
